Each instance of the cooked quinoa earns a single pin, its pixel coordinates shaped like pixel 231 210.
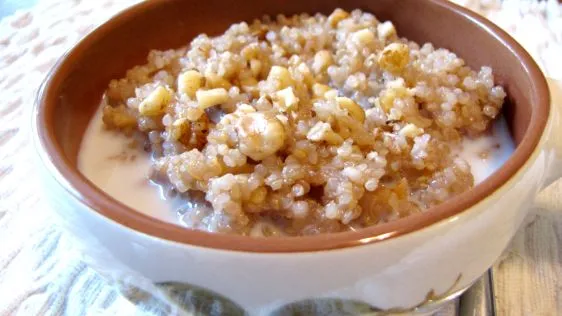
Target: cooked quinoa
pixel 309 124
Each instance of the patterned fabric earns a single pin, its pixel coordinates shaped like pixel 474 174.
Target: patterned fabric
pixel 40 272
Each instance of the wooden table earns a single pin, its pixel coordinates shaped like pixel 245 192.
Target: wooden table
pixel 528 278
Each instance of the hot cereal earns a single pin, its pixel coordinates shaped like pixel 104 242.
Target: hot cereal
pixel 296 125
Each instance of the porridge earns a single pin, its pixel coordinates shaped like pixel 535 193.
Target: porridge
pixel 296 125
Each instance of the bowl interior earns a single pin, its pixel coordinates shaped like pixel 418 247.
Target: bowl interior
pixel 74 90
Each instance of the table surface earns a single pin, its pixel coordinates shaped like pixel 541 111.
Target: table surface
pixel 40 273
pixel 9 7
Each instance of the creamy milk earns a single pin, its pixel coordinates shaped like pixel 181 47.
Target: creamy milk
pixel 122 172
pixel 489 152
pixel 106 160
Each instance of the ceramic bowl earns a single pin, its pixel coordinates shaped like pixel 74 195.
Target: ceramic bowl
pixel 414 264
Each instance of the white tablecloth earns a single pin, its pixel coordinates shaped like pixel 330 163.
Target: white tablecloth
pixel 40 273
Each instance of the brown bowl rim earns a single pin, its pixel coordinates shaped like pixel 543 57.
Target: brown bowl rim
pixel 87 193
